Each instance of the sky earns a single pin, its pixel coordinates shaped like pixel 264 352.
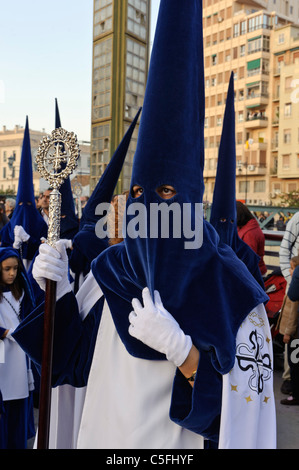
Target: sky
pixel 46 53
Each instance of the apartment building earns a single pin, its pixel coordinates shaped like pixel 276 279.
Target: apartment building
pixel 241 36
pixel 11 142
pixel 120 67
pixel 284 174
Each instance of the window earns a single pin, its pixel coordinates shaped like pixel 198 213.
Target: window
pixel 288 83
pixel 214 59
pixel 242 50
pixel 292 187
pixel 281 38
pixel 243 27
pixel 244 186
pixel 287 136
pixel 259 186
pixel 103 17
pixel 136 77
pixel 286 162
pixel 288 109
pixel 102 79
pixel 137 18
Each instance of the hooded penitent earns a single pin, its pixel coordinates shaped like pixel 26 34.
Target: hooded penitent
pixel 204 285
pixel 9 252
pixel 69 223
pixel 224 211
pixel 86 244
pixel 25 213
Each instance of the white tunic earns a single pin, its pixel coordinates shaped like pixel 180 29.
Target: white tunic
pixel 248 417
pixel 128 399
pixel 13 368
pixel 126 402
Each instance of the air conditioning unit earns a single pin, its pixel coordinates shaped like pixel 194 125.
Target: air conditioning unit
pixel 251 167
pixel 220 19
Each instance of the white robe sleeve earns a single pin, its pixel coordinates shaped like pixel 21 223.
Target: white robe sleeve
pixel 248 418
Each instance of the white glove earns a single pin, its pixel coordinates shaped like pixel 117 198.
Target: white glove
pixel 20 236
pixel 157 328
pixel 52 263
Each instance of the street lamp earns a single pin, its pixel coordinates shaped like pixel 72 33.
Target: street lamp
pixel 245 165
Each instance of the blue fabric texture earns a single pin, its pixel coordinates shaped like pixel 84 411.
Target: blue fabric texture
pixel 25 212
pixel 224 211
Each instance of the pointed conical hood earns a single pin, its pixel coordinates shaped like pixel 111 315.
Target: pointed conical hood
pixel 105 187
pixel 224 211
pixel 25 192
pixel 170 147
pixel 25 212
pixel 69 221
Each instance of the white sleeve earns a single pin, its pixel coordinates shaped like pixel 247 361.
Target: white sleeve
pixel 248 418
pixel 289 246
pixel 88 294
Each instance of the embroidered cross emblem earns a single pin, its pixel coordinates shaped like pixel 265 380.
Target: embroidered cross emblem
pixel 250 356
pixel 57 158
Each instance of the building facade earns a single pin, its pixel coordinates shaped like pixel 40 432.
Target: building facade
pixel 11 142
pixel 285 116
pixel 242 37
pixel 120 67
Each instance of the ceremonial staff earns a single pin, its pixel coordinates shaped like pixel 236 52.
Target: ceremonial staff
pixel 77 190
pixel 54 168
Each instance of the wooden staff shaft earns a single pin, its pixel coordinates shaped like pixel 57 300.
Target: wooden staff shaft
pixel 46 371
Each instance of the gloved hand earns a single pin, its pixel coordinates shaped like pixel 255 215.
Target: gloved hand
pixel 20 236
pixel 52 264
pixel 155 326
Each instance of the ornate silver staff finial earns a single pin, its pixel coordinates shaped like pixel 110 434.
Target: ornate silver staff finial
pixel 55 168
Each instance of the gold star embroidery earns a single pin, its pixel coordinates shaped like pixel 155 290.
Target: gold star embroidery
pixel 255 319
pixel 268 340
pixel 233 388
pixel 248 399
pixel 266 399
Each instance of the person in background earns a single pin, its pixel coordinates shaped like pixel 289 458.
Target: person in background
pixel 44 204
pixel 16 379
pixel 10 205
pixel 84 200
pixel 289 329
pixel 250 232
pixel 280 224
pixel 289 247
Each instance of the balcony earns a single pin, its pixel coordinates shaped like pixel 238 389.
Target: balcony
pixel 256 98
pixel 256 121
